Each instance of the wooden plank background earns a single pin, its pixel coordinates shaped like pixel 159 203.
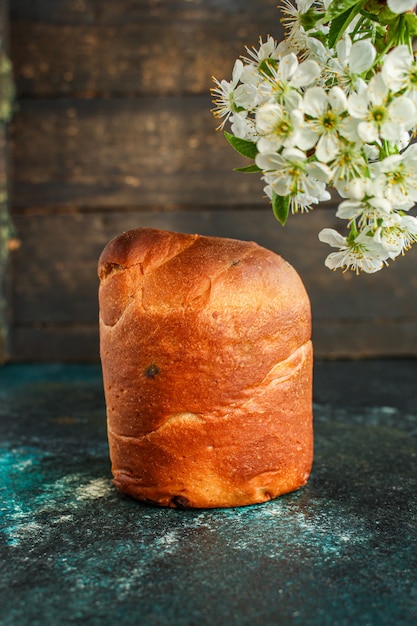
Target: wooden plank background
pixel 6 84
pixel 113 130
pixel 4 253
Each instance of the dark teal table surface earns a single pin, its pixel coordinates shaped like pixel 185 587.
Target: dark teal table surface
pixel 341 551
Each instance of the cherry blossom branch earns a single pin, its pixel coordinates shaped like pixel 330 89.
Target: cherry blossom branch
pixel 333 106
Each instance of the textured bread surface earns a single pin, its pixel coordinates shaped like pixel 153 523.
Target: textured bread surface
pixel 207 368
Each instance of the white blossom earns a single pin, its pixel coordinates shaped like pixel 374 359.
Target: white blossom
pixel 352 60
pixel 396 234
pixel 243 126
pixel 266 50
pixel 277 127
pixel 349 164
pixel 396 177
pixel 315 51
pixel 367 210
pixel 224 94
pixel 290 174
pixel 292 20
pixel 285 82
pixel 397 68
pixel 380 117
pixel 362 253
pixel 333 105
pixel 326 120
pixel 399 72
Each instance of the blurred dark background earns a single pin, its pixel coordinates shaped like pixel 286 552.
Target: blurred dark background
pixel 112 130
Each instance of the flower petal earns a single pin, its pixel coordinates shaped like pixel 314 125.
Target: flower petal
pixel 411 153
pixel 322 172
pixel 349 208
pixel 332 237
pixel 377 89
pixel 292 99
pixel 287 66
pixel 269 162
pixel 315 101
pixel 410 223
pixel 237 72
pixel 389 163
pixel 382 204
pixel 396 66
pixel 337 99
pixel 343 48
pixel 292 154
pixel 362 56
pixel 267 145
pixel 390 130
pixel 327 148
pixel 356 188
pixel 368 132
pixel 357 105
pixel 403 111
pixel 267 117
pixel 282 186
pixel 306 74
pixel 336 260
pixel 348 128
pixel 401 6
pixel 306 138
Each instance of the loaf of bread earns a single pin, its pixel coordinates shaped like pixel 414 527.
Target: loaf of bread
pixel 207 368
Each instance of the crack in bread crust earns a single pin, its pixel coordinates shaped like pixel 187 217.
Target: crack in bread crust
pixel 288 369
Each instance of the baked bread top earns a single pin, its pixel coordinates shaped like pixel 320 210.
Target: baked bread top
pixel 217 276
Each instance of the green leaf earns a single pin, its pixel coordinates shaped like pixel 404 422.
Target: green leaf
pixel 370 16
pixel 310 18
pixel 338 7
pixel 265 66
pixel 339 24
pixel 280 207
pixel 243 146
pixel 249 169
pixel 410 20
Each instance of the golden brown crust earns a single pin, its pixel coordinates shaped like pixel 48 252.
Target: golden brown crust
pixel 207 365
